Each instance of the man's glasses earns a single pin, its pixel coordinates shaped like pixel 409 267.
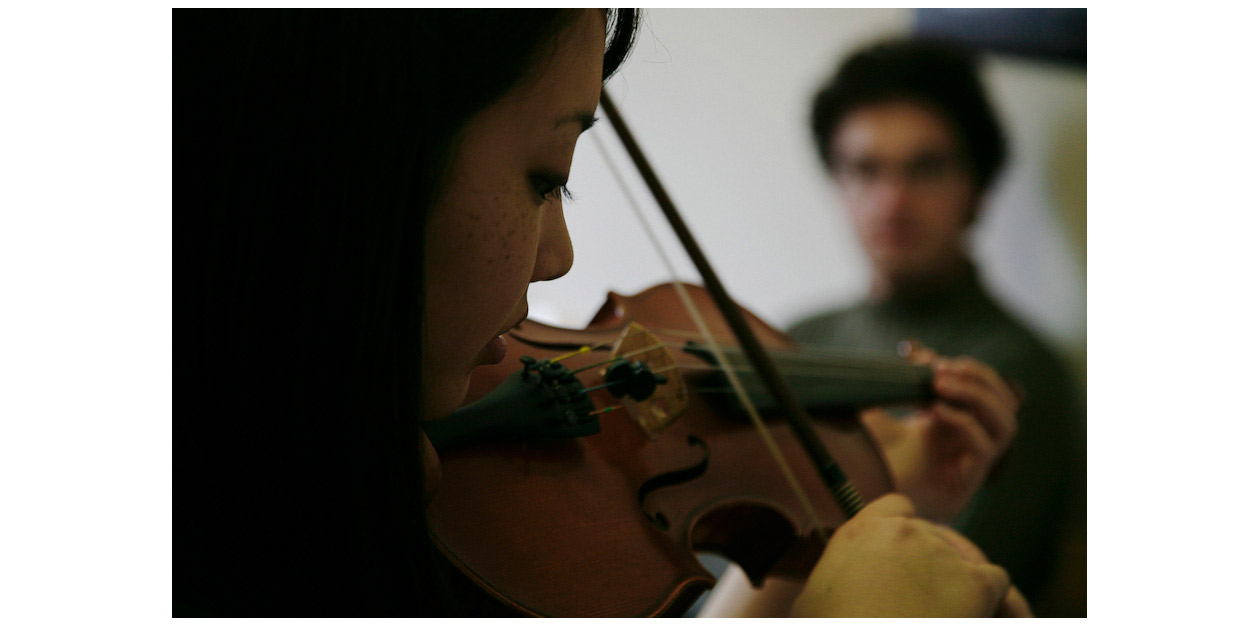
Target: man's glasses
pixel 926 172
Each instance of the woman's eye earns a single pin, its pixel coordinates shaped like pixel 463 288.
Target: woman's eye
pixel 551 187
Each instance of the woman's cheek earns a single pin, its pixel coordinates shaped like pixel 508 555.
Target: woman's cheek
pixel 516 254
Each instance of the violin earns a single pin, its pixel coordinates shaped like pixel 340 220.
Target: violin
pixel 586 469
pixel 539 518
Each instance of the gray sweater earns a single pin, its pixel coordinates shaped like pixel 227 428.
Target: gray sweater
pixel 1036 494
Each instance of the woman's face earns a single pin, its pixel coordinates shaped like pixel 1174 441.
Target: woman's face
pixel 498 225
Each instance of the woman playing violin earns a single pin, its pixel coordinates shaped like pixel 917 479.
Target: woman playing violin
pixel 365 199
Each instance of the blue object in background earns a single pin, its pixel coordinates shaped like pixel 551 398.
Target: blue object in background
pixel 1046 34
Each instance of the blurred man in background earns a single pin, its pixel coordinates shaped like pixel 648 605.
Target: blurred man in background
pixel 905 130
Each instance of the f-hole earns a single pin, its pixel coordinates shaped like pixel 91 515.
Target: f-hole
pixel 671 478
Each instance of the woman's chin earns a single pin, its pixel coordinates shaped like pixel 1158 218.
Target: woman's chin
pixel 447 393
pixel 445 397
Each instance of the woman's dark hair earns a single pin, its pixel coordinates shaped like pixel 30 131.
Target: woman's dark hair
pixel 933 73
pixel 308 146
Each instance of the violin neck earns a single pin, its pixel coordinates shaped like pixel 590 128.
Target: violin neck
pixel 824 380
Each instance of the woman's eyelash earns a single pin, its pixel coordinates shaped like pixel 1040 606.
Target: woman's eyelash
pixel 562 190
pixel 551 187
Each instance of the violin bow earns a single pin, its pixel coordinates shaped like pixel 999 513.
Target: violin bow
pixel 841 489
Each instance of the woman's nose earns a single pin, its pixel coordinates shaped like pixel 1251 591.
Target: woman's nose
pixel 555 250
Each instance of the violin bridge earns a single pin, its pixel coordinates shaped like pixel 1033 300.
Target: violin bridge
pixel 670 399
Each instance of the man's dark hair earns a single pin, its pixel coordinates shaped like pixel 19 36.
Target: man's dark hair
pixel 932 73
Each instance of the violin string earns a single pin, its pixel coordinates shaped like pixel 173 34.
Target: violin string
pixel 823 374
pixel 871 359
pixel 621 356
pixel 596 387
pixel 824 371
pixel 604 344
pixel 821 351
pixel 832 361
pixel 595 365
pixel 788 362
pixel 728 390
pixel 818 367
pixel 645 349
pixel 777 455
pixel 584 349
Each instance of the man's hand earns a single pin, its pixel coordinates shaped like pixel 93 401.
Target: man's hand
pixel 941 455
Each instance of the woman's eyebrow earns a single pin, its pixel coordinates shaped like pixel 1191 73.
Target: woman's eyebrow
pixel 581 118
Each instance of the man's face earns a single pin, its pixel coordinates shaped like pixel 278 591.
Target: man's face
pixel 906 185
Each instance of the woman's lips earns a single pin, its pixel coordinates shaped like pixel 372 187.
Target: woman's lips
pixel 494 351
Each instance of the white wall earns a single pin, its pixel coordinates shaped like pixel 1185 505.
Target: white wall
pixel 719 101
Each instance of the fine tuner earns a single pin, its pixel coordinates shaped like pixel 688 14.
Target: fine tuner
pixel 547 400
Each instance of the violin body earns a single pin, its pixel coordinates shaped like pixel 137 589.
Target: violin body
pixel 608 524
